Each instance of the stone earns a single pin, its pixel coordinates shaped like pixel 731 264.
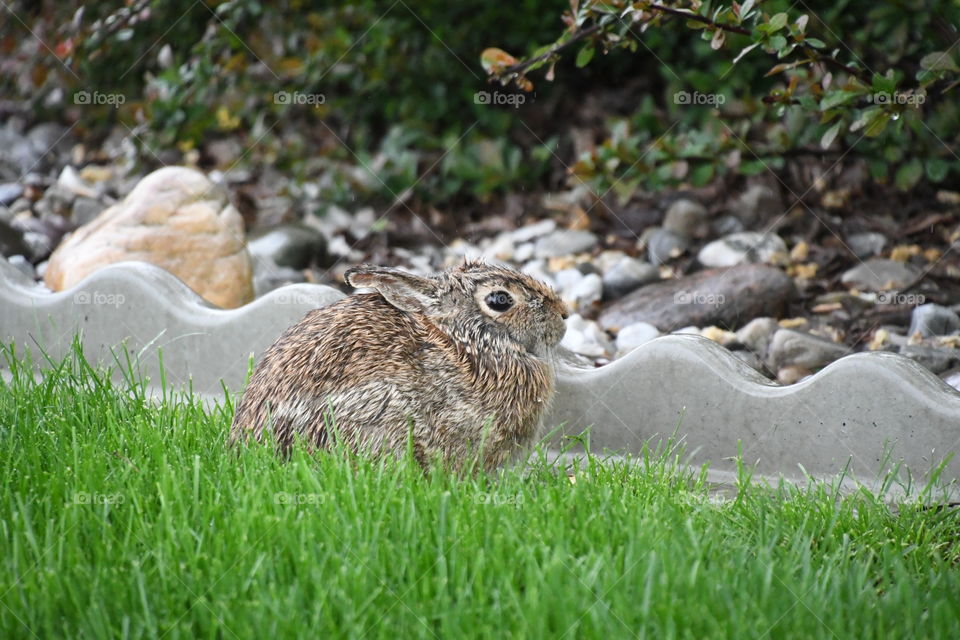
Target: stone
pixel 728 298
pixel 538 269
pixel 533 231
pixel 579 291
pixel 725 225
pixel 634 335
pixel 687 217
pixel 879 274
pixel 293 245
pixel 792 374
pixel 586 338
pixel 867 244
pixel 9 192
pixel 791 348
pixel 758 202
pixel 268 276
pixel 663 245
pixel 757 334
pixel 71 181
pixel 627 275
pixel 740 248
pixel 936 359
pixel 933 320
pixel 11 240
pixel 84 210
pixel 175 218
pixel 41 235
pixel 57 200
pixel 564 242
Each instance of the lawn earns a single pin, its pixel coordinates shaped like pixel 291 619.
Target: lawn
pixel 121 516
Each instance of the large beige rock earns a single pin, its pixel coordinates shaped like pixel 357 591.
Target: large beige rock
pixel 175 218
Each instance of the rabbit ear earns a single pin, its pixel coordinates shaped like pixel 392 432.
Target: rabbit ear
pixel 405 291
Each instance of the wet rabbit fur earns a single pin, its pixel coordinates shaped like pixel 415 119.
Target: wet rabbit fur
pixel 460 365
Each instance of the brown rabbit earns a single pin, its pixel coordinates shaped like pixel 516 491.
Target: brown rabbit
pixel 460 365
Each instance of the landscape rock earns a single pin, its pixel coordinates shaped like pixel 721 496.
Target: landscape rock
pixel 11 240
pixel 23 265
pixel 758 202
pixel 84 210
pixel 41 236
pixel 791 348
pixel 533 231
pixel 176 219
pixel 757 334
pixel 792 374
pixel 579 291
pixel 268 276
pixel 740 248
pixel 725 225
pixel 664 245
pixel 936 359
pixel 879 274
pixel 867 244
pixel 293 245
pixel 586 338
pixel 634 335
pixel 627 275
pixel 728 298
pixel 564 242
pixel 687 217
pixel 9 192
pixel 933 320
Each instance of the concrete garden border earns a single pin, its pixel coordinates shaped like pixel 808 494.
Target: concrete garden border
pixel 864 412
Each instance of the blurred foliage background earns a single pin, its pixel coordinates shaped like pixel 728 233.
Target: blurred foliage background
pixel 379 99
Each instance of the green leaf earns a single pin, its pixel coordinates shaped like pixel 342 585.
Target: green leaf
pixel 938 61
pixel 830 135
pixel 779 21
pixel 877 124
pixel 878 169
pixel 585 55
pixel 883 84
pixel 777 43
pixel 815 43
pixel 752 167
pixel 702 175
pixel 908 175
pixel 937 169
pixel 835 99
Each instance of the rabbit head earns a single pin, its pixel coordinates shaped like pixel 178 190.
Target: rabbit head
pixel 482 307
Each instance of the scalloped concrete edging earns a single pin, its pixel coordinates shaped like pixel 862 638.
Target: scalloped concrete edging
pixel 862 413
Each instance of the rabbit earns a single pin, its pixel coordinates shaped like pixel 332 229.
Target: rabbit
pixel 459 365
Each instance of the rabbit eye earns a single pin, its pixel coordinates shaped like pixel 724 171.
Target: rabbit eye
pixel 499 301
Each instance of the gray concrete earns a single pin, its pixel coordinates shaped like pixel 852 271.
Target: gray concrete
pixel 152 314
pixel 865 410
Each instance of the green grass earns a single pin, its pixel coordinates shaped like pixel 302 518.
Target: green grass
pixel 124 517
